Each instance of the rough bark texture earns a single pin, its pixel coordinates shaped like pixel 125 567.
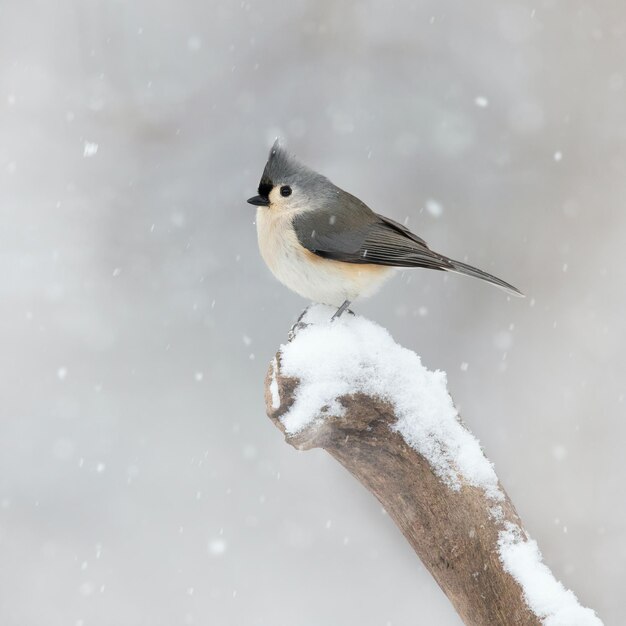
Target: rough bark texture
pixel 453 532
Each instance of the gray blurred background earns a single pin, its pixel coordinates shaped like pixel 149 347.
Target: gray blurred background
pixel 140 481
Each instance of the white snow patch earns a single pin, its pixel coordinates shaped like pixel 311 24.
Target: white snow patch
pixel 559 452
pixel 86 588
pixel 274 386
pixel 90 149
pixel 194 43
pixel 496 513
pixel 355 355
pixel 434 208
pixel 481 102
pixel 217 547
pixel 546 597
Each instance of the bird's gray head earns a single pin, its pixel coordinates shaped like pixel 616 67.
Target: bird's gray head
pixel 287 185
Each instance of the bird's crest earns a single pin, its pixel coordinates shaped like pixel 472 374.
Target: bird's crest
pixel 282 167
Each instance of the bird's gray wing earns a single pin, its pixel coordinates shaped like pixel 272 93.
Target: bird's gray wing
pixel 358 235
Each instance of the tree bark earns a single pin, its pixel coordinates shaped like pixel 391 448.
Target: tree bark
pixel 455 533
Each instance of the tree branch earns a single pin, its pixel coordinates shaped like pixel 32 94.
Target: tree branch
pixel 465 534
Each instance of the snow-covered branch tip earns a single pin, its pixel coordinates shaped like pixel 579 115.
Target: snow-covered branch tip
pixel 346 386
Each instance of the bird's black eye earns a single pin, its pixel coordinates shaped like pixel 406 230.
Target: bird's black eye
pixel 285 190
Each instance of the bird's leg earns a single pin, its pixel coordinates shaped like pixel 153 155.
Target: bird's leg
pixel 301 316
pixel 340 310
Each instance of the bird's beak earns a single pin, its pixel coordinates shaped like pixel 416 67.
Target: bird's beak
pixel 259 201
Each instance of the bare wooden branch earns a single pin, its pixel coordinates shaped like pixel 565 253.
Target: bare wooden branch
pixel 454 532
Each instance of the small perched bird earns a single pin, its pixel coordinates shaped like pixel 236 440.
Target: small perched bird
pixel 327 245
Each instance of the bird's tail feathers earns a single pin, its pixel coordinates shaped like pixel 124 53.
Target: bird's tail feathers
pixel 468 270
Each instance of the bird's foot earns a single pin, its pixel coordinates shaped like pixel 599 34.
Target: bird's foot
pixel 299 325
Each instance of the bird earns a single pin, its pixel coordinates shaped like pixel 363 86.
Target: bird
pixel 330 247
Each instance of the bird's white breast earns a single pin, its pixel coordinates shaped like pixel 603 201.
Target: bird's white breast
pixel 311 276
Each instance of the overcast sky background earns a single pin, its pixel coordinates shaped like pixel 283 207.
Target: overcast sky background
pixel 140 482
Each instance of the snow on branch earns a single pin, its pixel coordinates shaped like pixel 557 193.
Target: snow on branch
pixel 347 387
